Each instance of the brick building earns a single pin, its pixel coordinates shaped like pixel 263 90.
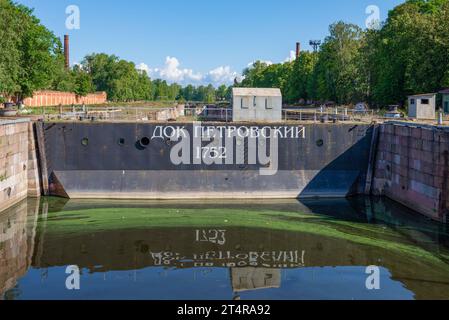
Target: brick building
pixel 48 98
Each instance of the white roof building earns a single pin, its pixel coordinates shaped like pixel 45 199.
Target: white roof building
pixel 257 104
pixel 422 106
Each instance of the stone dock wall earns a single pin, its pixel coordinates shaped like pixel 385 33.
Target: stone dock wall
pixel 412 167
pixel 17 236
pixel 19 175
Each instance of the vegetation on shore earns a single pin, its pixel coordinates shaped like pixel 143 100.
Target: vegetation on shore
pixel 408 54
pixel 32 58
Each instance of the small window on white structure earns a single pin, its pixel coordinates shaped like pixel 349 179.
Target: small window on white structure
pixel 254 102
pixel 424 101
pixel 242 104
pixel 412 101
pixel 267 104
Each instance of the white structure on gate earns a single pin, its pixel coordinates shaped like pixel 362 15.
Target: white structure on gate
pixel 257 104
pixel 422 106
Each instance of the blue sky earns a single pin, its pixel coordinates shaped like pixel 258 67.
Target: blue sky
pixel 197 41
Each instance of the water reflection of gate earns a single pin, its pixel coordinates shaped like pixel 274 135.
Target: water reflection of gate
pixel 244 279
pixel 254 257
pixel 283 259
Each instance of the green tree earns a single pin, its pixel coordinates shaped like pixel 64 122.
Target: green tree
pixel 161 89
pixel 338 77
pixel 11 29
pixel 410 54
pixel 30 54
pixel 41 55
pixel 64 80
pixel 300 76
pixel 120 78
pixel 188 93
pixel 101 69
pixel 263 75
pixel 174 91
pixel 254 75
pixel 221 93
pixel 144 89
pixel 83 82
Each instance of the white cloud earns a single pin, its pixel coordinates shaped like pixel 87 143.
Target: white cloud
pixel 292 57
pixel 221 75
pixel 267 62
pixel 171 72
pixel 143 67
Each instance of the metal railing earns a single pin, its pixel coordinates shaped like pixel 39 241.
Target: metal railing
pixel 138 114
pixel 125 113
pixel 329 115
pixel 303 115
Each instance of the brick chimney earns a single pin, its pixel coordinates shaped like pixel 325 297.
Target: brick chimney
pixel 298 49
pixel 67 51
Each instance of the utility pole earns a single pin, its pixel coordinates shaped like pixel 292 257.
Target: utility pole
pixel 315 45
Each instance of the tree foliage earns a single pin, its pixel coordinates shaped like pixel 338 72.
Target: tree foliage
pixel 30 54
pixel 409 54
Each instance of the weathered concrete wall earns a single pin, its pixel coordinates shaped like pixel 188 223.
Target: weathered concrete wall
pixel 412 167
pixel 169 114
pixel 19 176
pixel 55 98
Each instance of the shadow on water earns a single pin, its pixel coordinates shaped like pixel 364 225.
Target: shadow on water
pixel 313 249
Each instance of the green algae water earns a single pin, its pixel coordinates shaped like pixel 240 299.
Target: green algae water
pixel 361 248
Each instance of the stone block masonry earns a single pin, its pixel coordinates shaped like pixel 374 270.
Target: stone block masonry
pixel 19 175
pixel 17 236
pixel 412 167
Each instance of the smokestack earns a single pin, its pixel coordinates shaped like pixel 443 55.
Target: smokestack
pixel 298 49
pixel 67 51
